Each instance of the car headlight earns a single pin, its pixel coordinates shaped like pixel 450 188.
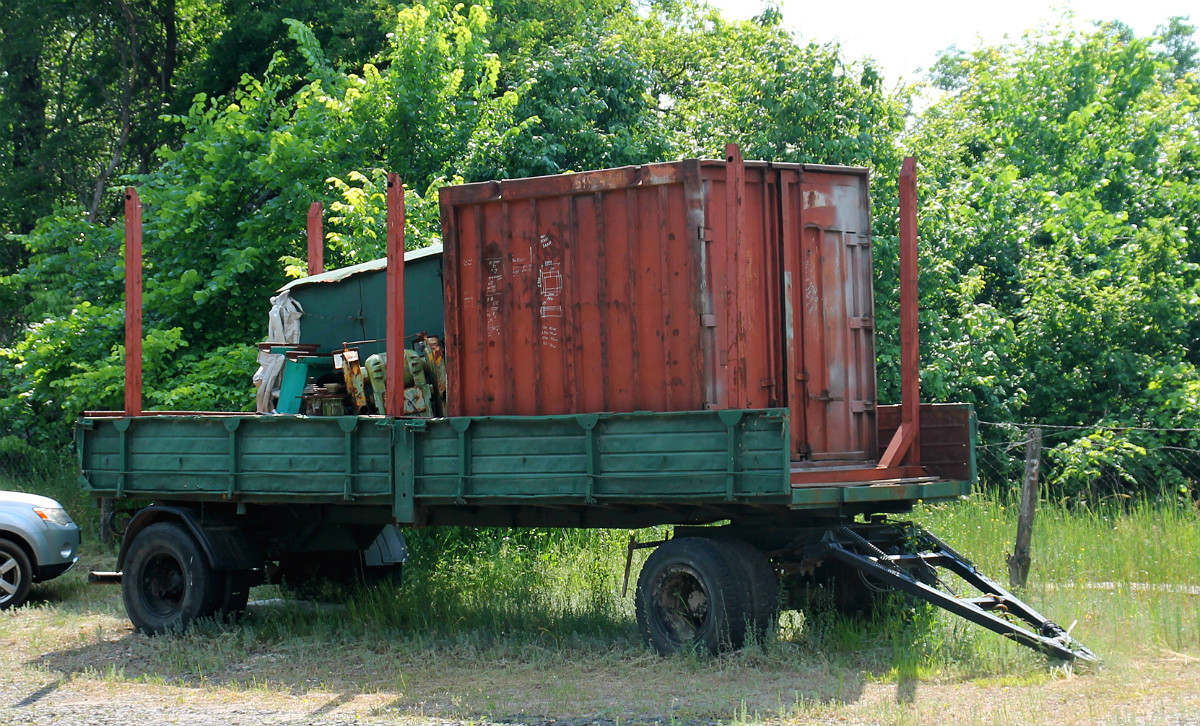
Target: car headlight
pixel 54 514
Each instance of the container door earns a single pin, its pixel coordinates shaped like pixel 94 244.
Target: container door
pixel 829 310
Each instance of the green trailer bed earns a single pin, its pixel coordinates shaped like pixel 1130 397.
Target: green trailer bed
pixel 649 466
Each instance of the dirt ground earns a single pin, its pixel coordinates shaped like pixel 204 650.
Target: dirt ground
pixel 91 668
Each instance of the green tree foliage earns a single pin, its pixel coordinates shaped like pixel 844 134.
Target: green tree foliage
pixel 224 215
pixel 82 85
pixel 1061 214
pixel 253 32
pixel 1060 196
pixel 526 29
pixel 752 82
pixel 593 108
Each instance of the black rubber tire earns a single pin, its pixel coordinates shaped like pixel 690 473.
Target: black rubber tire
pixel 692 594
pixel 235 593
pixel 315 575
pixel 385 575
pixel 852 596
pixel 763 583
pixel 167 582
pixel 16 575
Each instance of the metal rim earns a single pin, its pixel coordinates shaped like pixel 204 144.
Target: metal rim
pixel 163 584
pixel 681 603
pixel 10 577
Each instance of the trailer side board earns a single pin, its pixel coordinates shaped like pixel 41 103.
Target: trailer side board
pixel 713 459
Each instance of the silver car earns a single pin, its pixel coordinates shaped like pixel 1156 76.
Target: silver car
pixel 38 541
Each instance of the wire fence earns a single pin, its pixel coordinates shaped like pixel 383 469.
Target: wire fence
pixel 1092 463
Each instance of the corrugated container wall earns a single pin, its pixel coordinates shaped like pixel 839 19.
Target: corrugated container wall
pixel 666 287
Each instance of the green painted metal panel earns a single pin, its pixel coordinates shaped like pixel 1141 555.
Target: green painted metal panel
pixel 834 496
pixel 635 457
pixel 239 457
pixel 682 458
pixel 295 374
pixel 354 307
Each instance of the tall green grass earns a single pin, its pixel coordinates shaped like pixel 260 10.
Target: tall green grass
pixel 559 591
pixel 1137 541
pixel 1124 572
pixel 488 586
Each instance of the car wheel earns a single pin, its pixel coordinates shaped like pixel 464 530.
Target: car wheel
pixel 16 575
pixel 167 582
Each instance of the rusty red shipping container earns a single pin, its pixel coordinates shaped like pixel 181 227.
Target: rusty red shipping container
pixel 667 287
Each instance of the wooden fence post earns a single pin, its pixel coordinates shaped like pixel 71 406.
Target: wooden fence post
pixel 1018 561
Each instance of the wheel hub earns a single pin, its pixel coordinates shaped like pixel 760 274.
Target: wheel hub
pixel 163 584
pixel 682 602
pixel 10 576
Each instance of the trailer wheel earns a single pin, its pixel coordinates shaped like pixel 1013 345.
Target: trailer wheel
pixel 16 575
pixel 764 586
pixel 856 596
pixel 692 593
pixel 167 583
pixel 235 592
pixel 385 575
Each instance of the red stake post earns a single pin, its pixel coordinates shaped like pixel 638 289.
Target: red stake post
pixel 316 240
pixel 133 303
pixel 910 371
pixel 906 443
pixel 395 296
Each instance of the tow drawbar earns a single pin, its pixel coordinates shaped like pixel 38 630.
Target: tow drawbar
pixel 914 572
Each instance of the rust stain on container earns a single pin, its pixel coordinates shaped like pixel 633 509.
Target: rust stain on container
pixel 666 287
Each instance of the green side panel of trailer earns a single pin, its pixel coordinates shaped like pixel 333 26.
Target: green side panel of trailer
pixel 250 458
pixel 689 457
pixel 833 497
pixel 701 458
pixel 640 457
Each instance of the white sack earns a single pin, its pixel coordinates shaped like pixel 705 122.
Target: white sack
pixel 283 326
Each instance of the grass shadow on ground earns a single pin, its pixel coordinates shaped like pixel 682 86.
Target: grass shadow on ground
pixel 561 670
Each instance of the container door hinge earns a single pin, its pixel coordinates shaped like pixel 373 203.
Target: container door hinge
pixel 825 396
pixel 866 323
pixel 704 234
pixel 861 406
pixel 708 321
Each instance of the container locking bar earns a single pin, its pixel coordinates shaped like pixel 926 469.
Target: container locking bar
pixel 914 574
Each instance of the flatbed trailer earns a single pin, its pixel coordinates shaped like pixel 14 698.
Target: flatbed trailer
pixel 240 499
